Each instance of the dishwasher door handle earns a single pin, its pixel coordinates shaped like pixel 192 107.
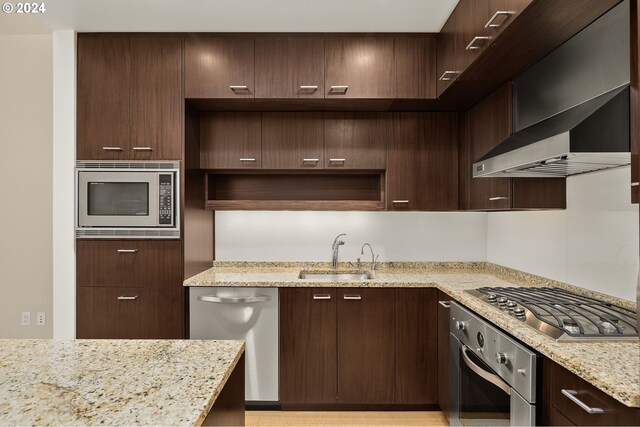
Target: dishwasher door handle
pixel 234 300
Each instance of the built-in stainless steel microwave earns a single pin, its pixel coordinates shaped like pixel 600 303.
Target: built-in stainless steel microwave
pixel 127 199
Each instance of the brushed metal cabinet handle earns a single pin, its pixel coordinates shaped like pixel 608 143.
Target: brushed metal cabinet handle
pixel 445 304
pixel 400 201
pixel 635 184
pixel 490 23
pixel 247 159
pixel 472 46
pixel 352 297
pixel 127 251
pixel 339 89
pixel 445 76
pixel 239 88
pixel 493 199
pixel 142 149
pixel 321 296
pixel 310 160
pixel 112 148
pixel 337 160
pixel 311 88
pixel 571 394
pixel 127 298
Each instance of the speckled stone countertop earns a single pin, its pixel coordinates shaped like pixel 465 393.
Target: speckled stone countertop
pixel 112 382
pixel 613 367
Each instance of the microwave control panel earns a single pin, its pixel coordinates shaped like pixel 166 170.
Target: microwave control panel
pixel 165 199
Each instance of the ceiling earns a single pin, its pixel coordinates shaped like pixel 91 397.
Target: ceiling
pixel 248 15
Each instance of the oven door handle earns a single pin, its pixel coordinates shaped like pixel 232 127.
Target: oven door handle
pixel 492 378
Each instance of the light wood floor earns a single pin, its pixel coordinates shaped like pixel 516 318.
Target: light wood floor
pixel 344 418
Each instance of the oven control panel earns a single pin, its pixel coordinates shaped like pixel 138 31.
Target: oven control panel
pixel 165 199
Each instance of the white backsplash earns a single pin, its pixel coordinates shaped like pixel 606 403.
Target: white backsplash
pixel 307 236
pixel 592 244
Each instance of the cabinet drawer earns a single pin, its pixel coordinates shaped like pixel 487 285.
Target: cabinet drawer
pixel 613 412
pixel 131 312
pixel 128 263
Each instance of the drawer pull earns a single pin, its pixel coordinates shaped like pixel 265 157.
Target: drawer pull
pixel 247 159
pixel 571 394
pixel 448 75
pixel 406 202
pixel 338 89
pixel 635 184
pixel 493 199
pixel 126 298
pixel 321 296
pixel 352 297
pixel 337 160
pixel 308 88
pixel 142 149
pixel 310 160
pixel 112 148
pixel 240 88
pixel 445 304
pixel 490 23
pixel 127 251
pixel 472 45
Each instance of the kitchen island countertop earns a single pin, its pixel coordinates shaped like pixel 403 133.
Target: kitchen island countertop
pixel 610 366
pixel 112 382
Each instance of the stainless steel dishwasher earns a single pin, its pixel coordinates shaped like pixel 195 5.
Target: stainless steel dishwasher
pixel 249 314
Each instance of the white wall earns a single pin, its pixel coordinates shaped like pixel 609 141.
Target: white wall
pixel 307 236
pixel 25 172
pixel 592 244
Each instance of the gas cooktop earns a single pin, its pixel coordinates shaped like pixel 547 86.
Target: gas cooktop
pixel 563 315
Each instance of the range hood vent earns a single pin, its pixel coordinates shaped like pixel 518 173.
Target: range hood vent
pixel 571 109
pixel 589 137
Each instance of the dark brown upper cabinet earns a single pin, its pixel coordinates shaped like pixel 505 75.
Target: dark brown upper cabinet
pixel 289 67
pixel 103 94
pixel 356 140
pixel 422 162
pixel 130 102
pixel 415 71
pixel 485 126
pixel 635 102
pixel 230 140
pixel 359 67
pixel 157 104
pixel 449 64
pixel 292 141
pixel 219 67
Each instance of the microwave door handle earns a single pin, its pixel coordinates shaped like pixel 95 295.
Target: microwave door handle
pixel 488 376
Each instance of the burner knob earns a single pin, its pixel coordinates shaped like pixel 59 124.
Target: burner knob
pixel 511 305
pixel 519 313
pixel 501 359
pixel 460 325
pixel 502 300
pixel 492 297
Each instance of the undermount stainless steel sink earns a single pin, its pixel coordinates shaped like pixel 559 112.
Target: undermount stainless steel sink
pixel 330 276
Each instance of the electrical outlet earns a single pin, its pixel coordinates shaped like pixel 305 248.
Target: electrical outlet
pixel 25 320
pixel 41 320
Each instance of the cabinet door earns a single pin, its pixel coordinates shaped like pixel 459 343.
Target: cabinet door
pixel 490 124
pixel 289 67
pixel 230 140
pixel 129 263
pixel 443 353
pixel 366 356
pixel 103 94
pixel 416 346
pixel 133 313
pixel 447 63
pixel 219 67
pixel 307 345
pixel 415 59
pixel 156 98
pixel 356 140
pixel 292 141
pixel 635 102
pixel 403 166
pixel 359 67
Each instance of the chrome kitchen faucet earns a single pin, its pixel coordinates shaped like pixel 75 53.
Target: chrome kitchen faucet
pixel 335 247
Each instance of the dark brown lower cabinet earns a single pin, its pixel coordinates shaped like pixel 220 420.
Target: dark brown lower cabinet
pixel 130 312
pixel 416 349
pixel 366 345
pixel 561 410
pixel 443 352
pixel 307 346
pixel 357 348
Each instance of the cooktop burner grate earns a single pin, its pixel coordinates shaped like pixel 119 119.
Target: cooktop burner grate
pixel 570 316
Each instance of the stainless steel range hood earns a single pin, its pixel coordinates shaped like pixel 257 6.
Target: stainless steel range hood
pixel 571 110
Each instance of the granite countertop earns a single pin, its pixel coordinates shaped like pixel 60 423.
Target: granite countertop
pixel 613 367
pixel 112 382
